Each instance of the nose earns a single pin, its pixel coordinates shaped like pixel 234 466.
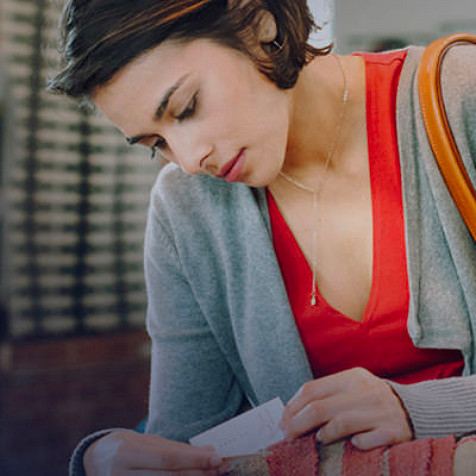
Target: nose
pixel 191 153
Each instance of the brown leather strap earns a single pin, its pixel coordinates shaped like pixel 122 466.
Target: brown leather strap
pixel 439 131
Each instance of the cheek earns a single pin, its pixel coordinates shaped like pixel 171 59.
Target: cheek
pixel 274 112
pixel 268 119
pixel 240 118
pixel 275 125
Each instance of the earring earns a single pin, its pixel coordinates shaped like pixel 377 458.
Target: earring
pixel 278 46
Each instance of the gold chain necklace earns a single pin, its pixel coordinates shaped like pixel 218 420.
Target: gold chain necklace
pixel 318 188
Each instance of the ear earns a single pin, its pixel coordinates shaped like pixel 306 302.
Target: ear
pixel 267 29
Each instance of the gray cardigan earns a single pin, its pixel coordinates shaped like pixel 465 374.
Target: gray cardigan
pixel 223 333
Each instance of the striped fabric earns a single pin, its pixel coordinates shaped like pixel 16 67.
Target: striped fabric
pixel 77 198
pixel 302 457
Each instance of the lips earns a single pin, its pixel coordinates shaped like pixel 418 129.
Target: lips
pixel 232 170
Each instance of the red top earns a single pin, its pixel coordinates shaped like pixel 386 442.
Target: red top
pixel 380 343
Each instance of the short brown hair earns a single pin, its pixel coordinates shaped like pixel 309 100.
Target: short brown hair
pixel 99 37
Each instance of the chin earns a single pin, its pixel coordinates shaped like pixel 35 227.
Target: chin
pixel 256 184
pixel 260 180
pixel 263 171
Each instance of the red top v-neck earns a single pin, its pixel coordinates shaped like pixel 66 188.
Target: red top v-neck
pixel 380 342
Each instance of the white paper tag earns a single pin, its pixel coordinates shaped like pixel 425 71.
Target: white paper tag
pixel 247 433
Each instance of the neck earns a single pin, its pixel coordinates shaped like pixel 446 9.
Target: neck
pixel 317 104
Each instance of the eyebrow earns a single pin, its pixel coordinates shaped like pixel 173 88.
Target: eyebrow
pixel 161 108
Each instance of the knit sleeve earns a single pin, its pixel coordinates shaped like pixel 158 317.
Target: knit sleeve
pixel 440 255
pixel 438 408
pixel 459 93
pixel 441 407
pixel 76 467
pixel 192 385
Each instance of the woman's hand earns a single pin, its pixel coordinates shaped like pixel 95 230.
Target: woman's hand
pixel 126 452
pixel 353 402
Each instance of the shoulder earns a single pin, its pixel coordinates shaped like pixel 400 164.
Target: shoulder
pixel 459 64
pixel 173 184
pixel 191 217
pixel 406 97
pixel 458 82
pixel 175 191
pixel 383 58
pixel 410 66
pixel 200 201
pixel 458 78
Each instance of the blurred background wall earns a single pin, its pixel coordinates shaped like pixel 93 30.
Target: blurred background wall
pixel 77 197
pixel 367 24
pixel 73 198
pixel 73 205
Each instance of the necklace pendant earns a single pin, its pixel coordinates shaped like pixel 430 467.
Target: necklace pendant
pixel 316 190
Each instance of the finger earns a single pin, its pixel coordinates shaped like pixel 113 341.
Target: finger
pixel 375 438
pixel 168 456
pixel 156 440
pixel 313 390
pixel 345 424
pixel 184 472
pixel 325 387
pixel 310 417
pixel 320 412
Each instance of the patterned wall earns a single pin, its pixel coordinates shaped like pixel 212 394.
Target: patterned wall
pixel 77 197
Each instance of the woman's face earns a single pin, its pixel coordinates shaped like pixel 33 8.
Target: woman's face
pixel 205 107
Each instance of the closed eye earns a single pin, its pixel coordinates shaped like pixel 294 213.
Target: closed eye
pixel 159 145
pixel 189 111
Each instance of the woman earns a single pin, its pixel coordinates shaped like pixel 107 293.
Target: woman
pixel 302 243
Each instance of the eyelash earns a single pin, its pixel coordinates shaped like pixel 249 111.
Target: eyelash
pixel 189 111
pixel 158 145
